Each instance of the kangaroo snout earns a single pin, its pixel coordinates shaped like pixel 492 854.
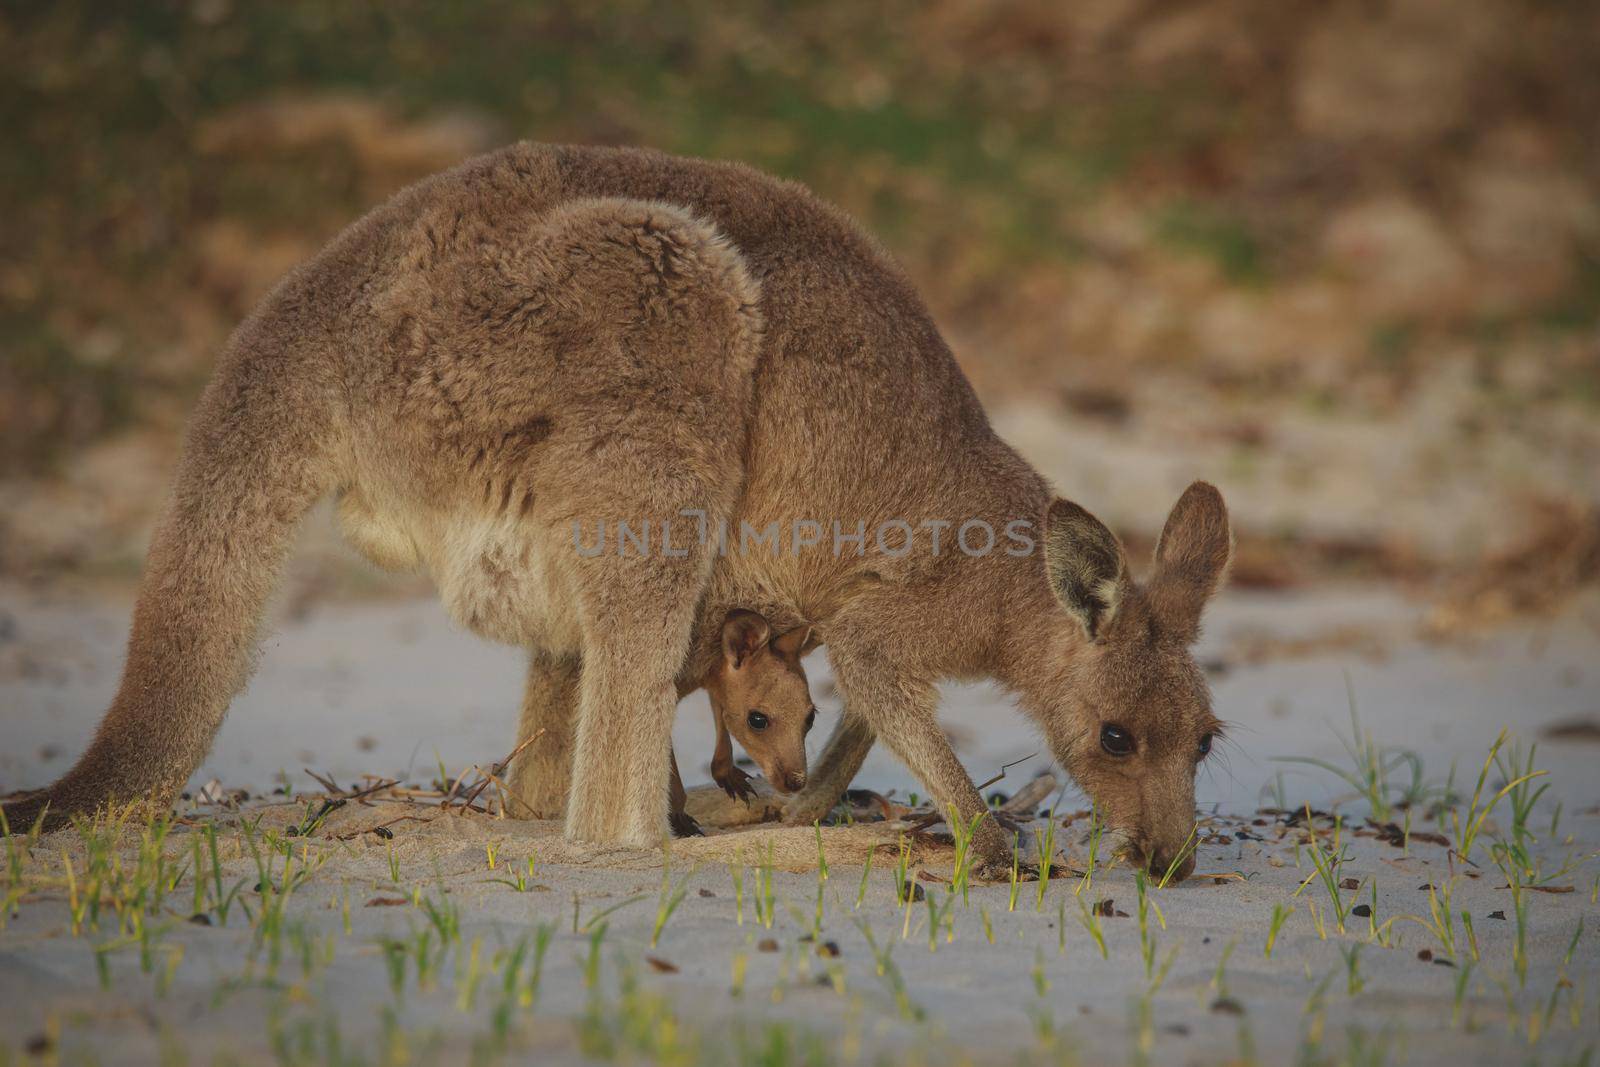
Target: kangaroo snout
pixel 789 782
pixel 1163 861
pixel 1167 856
pixel 1169 862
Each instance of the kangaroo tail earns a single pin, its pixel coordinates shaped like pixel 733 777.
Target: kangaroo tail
pixel 258 453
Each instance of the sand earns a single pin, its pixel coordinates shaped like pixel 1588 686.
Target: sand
pixel 382 687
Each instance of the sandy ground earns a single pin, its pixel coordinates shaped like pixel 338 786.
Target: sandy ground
pixel 390 688
pixel 394 688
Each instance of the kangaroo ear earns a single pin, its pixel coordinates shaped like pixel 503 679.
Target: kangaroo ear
pixel 1191 558
pixel 1085 565
pixel 792 645
pixel 744 633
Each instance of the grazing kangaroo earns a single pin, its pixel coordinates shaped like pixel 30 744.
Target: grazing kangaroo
pixel 759 694
pixel 606 396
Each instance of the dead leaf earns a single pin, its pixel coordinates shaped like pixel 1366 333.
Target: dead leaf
pixel 660 965
pixel 386 902
pixel 1586 729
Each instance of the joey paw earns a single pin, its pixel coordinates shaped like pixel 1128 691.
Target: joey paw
pixel 684 825
pixel 736 783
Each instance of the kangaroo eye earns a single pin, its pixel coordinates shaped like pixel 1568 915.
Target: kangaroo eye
pixel 1205 746
pixel 811 720
pixel 757 720
pixel 1116 740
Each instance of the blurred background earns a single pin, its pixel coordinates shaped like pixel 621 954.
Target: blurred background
pixel 1342 258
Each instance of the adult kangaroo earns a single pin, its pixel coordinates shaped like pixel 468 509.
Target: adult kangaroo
pixel 552 378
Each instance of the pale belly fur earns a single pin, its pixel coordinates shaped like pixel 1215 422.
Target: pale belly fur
pixel 498 576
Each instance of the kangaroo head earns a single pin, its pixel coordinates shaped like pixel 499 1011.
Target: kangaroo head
pixel 1128 713
pixel 760 694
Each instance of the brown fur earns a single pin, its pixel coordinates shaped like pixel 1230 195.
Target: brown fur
pixel 553 334
pixel 758 673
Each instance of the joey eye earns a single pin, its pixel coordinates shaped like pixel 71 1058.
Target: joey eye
pixel 811 720
pixel 1116 740
pixel 1205 746
pixel 757 720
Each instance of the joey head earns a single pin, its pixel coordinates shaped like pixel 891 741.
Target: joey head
pixel 760 697
pixel 758 694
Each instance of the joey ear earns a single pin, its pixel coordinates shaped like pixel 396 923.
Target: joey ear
pixel 792 644
pixel 1085 565
pixel 1191 558
pixel 744 633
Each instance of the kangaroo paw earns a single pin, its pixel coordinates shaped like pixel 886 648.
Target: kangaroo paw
pixel 992 873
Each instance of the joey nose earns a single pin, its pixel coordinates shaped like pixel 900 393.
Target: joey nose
pixel 794 781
